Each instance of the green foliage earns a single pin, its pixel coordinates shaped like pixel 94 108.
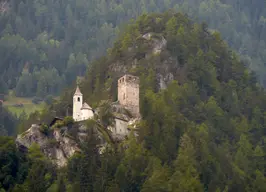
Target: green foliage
pixel 46 45
pixel 13 165
pixel 48 99
pixel 8 122
pixel 185 177
pixel 36 100
pixel 203 132
pixel 58 124
pixel 40 172
pixel 68 120
pixel 44 129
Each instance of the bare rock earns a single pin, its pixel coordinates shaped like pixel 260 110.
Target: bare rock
pixel 57 147
pixel 158 42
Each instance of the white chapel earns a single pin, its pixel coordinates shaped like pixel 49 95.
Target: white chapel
pixel 81 111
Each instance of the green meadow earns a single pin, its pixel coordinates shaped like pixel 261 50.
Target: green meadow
pixel 17 105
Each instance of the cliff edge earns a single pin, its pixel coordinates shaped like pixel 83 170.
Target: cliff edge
pixel 56 145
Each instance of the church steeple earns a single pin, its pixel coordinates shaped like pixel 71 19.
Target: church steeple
pixel 77 92
pixel 77 104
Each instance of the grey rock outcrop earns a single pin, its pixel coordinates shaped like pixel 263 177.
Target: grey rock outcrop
pixel 57 147
pixel 158 42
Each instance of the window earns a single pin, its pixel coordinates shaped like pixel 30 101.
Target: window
pixel 78 99
pixel 124 97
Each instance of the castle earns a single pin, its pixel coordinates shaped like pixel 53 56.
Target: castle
pixel 128 98
pixel 128 93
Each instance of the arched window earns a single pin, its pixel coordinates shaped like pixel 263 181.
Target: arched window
pixel 78 99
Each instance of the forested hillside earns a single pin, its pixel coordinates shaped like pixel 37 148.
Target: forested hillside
pixel 204 132
pixel 46 44
pixel 7 122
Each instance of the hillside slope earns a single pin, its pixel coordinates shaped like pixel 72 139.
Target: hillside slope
pixel 45 45
pixel 7 122
pixel 203 126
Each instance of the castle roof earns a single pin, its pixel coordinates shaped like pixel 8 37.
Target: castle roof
pixel 85 106
pixel 77 92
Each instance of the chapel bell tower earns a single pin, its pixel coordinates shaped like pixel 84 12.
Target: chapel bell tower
pixel 77 105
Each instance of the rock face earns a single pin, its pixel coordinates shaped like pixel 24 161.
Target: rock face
pixel 158 42
pixel 164 80
pixel 60 144
pixel 4 6
pixel 57 146
pixel 150 50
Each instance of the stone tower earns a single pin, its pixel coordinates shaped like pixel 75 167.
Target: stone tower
pixel 128 93
pixel 77 105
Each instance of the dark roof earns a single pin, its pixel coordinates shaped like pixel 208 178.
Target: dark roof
pixel 54 120
pixel 122 119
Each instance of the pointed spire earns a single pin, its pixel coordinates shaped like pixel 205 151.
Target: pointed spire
pixel 77 92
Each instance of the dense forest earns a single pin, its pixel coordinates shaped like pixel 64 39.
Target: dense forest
pixel 7 122
pixel 46 44
pixel 204 132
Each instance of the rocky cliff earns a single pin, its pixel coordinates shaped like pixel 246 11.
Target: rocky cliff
pixel 57 145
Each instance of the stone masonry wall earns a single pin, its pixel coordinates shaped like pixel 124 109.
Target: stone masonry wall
pixel 128 93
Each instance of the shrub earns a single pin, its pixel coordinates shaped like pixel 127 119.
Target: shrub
pixel 58 124
pixel 44 129
pixel 68 121
pixel 48 99
pixel 36 100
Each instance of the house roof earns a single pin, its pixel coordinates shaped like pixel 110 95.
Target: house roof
pixel 54 120
pixel 77 92
pixel 85 106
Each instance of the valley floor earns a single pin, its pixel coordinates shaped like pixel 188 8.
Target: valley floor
pixel 16 105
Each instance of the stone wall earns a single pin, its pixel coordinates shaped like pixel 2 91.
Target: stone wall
pixel 128 93
pixel 120 127
pixel 87 114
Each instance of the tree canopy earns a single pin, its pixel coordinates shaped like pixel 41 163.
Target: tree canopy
pixel 203 132
pixel 46 44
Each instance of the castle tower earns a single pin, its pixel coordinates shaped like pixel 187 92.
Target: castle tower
pixel 128 93
pixel 77 105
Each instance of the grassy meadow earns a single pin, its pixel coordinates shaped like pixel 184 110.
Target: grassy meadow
pixel 11 101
